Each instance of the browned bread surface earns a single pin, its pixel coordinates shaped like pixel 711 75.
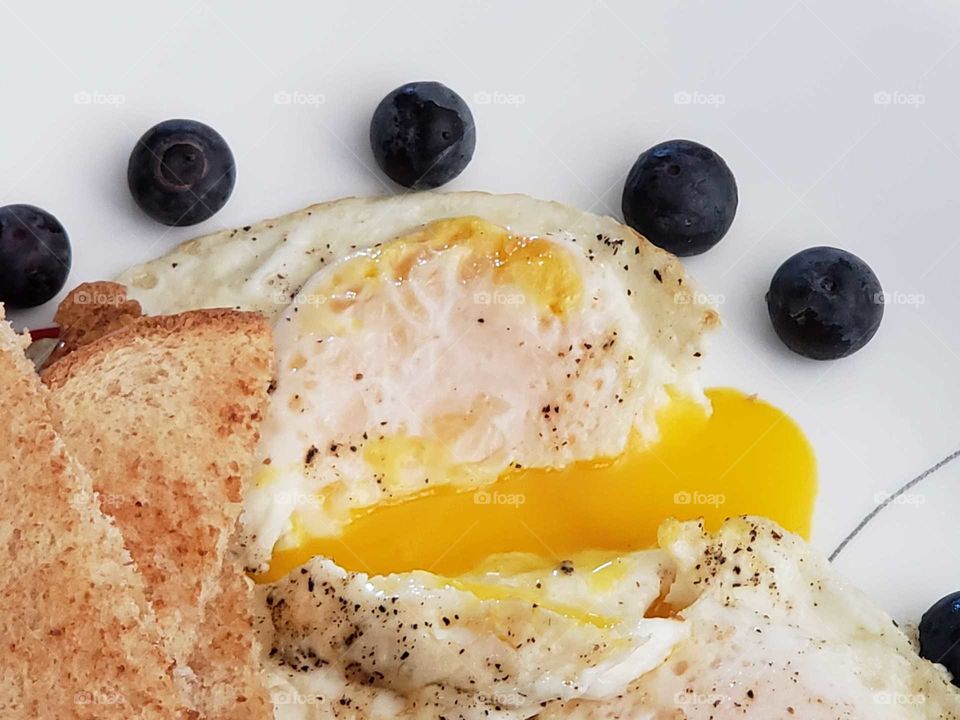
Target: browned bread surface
pixel 90 311
pixel 78 637
pixel 226 660
pixel 165 413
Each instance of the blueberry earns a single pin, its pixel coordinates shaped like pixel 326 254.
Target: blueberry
pixel 940 634
pixel 825 303
pixel 422 135
pixel 681 196
pixel 35 256
pixel 181 172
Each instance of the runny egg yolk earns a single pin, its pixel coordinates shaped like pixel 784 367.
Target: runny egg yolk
pixel 746 457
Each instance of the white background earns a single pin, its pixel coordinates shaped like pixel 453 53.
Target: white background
pixel 839 120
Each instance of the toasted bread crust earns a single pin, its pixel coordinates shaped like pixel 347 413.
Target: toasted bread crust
pixel 90 311
pixel 79 638
pixel 165 411
pixel 215 320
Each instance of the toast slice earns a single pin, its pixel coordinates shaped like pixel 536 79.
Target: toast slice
pixel 78 635
pixel 165 411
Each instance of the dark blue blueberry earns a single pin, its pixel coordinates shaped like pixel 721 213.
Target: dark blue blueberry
pixel 422 135
pixel 825 303
pixel 940 634
pixel 181 172
pixel 681 196
pixel 35 256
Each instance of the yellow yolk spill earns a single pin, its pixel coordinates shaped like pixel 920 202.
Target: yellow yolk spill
pixel 543 270
pixel 747 457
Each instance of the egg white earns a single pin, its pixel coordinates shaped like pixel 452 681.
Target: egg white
pixel 484 639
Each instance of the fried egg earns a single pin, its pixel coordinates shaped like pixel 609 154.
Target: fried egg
pixel 747 621
pixel 438 360
pixel 483 409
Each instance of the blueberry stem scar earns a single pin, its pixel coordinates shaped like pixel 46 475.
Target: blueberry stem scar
pixel 876 511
